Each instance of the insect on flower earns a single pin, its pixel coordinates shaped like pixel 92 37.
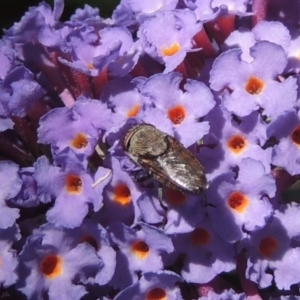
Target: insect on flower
pixel 165 159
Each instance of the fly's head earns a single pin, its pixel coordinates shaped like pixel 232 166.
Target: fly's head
pixel 145 141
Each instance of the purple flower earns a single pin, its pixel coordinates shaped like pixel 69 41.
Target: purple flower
pixel 139 250
pixel 125 99
pixel 274 32
pixel 7 57
pixel 184 212
pixel 253 86
pixel 231 140
pixel 95 235
pixel 169 46
pixel 241 202
pixel 203 9
pixel 160 285
pixel 149 8
pixel 19 92
pixel 50 265
pixel 73 189
pixel 226 295
pixel 80 127
pixel 273 248
pixel 28 195
pixel 8 255
pixel 119 198
pixel 293 60
pixel 87 14
pixel 238 7
pixel 115 50
pixel 10 185
pixel 150 207
pixel 183 107
pixel 208 10
pixel 35 19
pixel 206 254
pixel 286 130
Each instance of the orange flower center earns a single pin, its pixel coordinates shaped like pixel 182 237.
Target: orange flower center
pixel 200 236
pixel 238 202
pixel 175 197
pixel 156 294
pixel 74 184
pixel 296 136
pixel 134 111
pixel 80 141
pixel 268 246
pixel 171 50
pixel 237 144
pixel 122 194
pixel 140 249
pixel 89 239
pixel 254 85
pixel 177 114
pixel 51 266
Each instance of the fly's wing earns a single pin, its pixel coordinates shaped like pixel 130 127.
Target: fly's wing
pixel 183 168
pixel 154 168
pixel 177 169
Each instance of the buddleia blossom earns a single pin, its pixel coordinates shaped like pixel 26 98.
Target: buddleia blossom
pixel 79 219
pixel 54 266
pixel 254 87
pixel 8 255
pixel 237 198
pixel 184 212
pixel 232 140
pixel 287 133
pixel 154 286
pixel 170 46
pixel 83 130
pixel 140 249
pixel 186 106
pixel 10 186
pixel 95 235
pixel 205 253
pixel 274 247
pixel 72 187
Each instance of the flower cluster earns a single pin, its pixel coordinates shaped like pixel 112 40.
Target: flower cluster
pixel 80 220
